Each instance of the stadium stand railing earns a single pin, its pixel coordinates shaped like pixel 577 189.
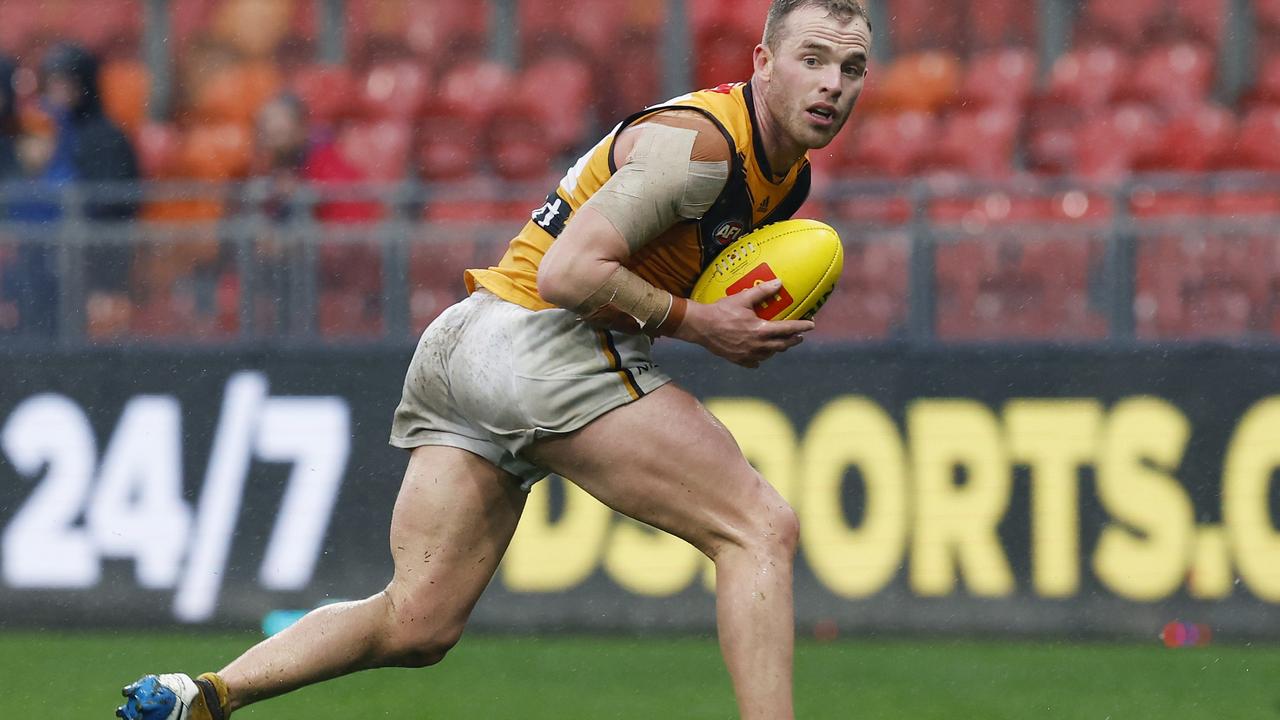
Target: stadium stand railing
pixel 1152 258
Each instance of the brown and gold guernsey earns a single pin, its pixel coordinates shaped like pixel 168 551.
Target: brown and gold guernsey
pixel 752 197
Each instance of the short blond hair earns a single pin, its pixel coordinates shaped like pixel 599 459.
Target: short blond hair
pixel 843 10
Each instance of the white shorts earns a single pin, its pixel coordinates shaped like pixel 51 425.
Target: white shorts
pixel 492 377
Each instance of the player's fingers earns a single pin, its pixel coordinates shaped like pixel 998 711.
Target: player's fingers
pixel 758 293
pixel 787 328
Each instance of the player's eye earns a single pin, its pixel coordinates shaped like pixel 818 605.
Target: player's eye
pixel 811 61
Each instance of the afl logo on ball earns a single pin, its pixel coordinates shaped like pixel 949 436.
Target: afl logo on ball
pixel 728 231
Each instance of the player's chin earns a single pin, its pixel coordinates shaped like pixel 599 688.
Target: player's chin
pixel 818 138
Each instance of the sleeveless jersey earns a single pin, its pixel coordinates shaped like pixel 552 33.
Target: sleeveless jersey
pixel 673 260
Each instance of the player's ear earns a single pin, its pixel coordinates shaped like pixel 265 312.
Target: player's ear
pixel 762 61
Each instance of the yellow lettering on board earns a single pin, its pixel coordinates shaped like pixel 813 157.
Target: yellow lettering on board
pixel 955 524
pixel 853 562
pixel 1143 554
pixel 1252 459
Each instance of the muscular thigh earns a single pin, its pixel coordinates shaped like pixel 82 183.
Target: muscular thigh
pixel 668 462
pixel 453 519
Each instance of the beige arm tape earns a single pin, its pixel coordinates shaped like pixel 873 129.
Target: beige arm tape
pixel 659 185
pixel 658 312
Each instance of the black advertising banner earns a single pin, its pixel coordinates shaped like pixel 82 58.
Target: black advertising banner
pixel 1048 491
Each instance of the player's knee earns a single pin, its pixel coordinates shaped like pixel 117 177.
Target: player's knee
pixel 783 529
pixel 422 647
pixel 418 636
pixel 765 525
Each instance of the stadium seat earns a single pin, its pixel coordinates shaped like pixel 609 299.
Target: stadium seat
pixel 125 85
pixel 723 55
pixel 1123 23
pixel 1148 202
pixel 113 22
pixel 920 25
pixel 21 21
pixel 236 94
pixel 436 265
pixel 1266 84
pixel 557 92
pixel 476 87
pixel 1099 145
pixel 1257 145
pixel 395 90
pixel 923 82
pixel 636 57
pixel 979 143
pixel 887 145
pixel 1190 141
pixel 448 146
pixel 218 151
pixel 378 148
pixel 1173 77
pixel 520 146
pixel 746 15
pixel 1087 78
pixel 255 28
pixel 1003 77
pixel 1201 21
pixel 158 147
pixel 870 301
pixel 559 25
pixel 470 201
pixel 1000 23
pixel 348 314
pixel 326 90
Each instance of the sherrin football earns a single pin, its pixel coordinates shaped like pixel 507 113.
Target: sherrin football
pixel 805 254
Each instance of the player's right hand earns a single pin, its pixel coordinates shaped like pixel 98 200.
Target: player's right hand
pixel 731 329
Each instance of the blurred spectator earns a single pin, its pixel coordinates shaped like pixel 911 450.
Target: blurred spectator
pixel 8 123
pixel 87 148
pixel 288 161
pixel 9 172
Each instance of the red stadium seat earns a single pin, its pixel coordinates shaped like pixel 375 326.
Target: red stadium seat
pixel 1004 77
pixel 1124 23
pixel 1087 78
pixel 326 90
pixel 1200 21
pixel 395 90
pixel 996 23
pixel 557 91
pixel 919 25
pixel 887 145
pixel 448 146
pixel 1257 145
pixel 870 301
pixel 476 87
pixel 377 148
pixel 636 57
pixel 723 55
pixel 348 314
pixel 112 21
pixel 520 146
pixel 1100 146
pixel 1173 78
pixel 1190 141
pixel 158 147
pixel 979 143
pixel 436 265
pixel 745 15
pixel 1147 202
pixel 1266 85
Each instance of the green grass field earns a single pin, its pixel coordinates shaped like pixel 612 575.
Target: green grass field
pixel 65 676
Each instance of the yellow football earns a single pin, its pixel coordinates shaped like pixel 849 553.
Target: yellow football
pixel 805 254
